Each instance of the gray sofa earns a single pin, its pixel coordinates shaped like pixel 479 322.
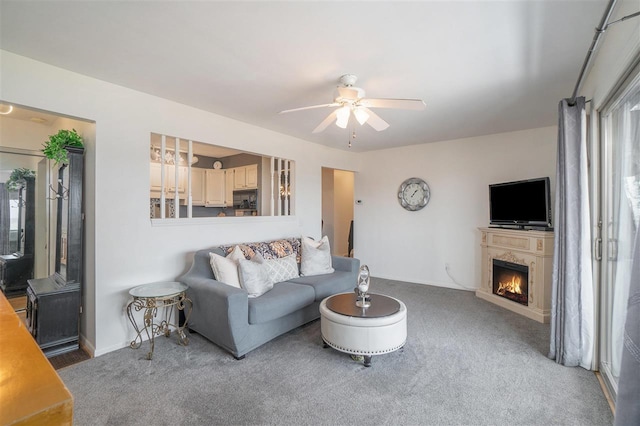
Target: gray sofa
pixel 229 318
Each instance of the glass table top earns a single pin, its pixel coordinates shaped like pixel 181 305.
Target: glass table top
pixel 159 289
pixel 345 304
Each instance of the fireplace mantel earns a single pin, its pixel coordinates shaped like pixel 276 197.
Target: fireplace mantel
pixel 533 249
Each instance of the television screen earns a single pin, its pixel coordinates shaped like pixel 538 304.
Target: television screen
pixel 525 202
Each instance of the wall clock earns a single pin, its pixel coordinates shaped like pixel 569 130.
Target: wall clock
pixel 217 165
pixel 413 194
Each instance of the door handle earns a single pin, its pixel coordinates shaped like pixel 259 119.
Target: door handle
pixel 598 248
pixel 613 249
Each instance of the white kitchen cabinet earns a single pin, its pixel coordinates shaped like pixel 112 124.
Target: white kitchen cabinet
pixel 228 194
pixel 245 177
pixel 198 193
pixel 215 190
pixel 239 177
pixel 252 176
pixel 169 180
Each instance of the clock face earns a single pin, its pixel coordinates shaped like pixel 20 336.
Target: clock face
pixel 217 165
pixel 413 194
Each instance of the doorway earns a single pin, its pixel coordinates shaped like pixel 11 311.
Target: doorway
pixel 619 210
pixel 337 210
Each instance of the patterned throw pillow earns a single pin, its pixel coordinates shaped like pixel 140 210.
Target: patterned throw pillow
pixel 269 250
pixel 316 257
pixel 282 269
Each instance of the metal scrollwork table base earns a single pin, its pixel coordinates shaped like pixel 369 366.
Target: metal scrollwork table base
pixel 164 296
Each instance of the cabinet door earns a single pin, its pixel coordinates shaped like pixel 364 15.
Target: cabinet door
pixel 197 187
pixel 251 178
pixel 214 188
pixel 155 177
pixel 228 183
pixel 239 178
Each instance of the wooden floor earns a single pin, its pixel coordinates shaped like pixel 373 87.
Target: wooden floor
pixel 18 303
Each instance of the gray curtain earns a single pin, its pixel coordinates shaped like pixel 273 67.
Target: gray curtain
pixel 572 310
pixel 4 219
pixel 628 399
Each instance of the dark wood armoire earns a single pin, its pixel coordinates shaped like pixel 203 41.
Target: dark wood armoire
pixel 54 303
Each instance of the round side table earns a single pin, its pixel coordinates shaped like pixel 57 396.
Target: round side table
pixel 150 298
pixel 378 329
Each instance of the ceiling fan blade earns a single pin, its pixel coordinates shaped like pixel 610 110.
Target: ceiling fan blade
pixel 415 104
pixel 333 104
pixel 325 123
pixel 375 121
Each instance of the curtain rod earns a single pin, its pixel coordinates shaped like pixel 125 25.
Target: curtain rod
pixel 600 29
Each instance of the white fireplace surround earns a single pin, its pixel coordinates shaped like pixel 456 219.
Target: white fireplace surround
pixel 533 249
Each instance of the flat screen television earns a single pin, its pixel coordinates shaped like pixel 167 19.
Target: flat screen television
pixel 523 203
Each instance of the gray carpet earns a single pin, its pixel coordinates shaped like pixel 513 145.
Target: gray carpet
pixel 466 362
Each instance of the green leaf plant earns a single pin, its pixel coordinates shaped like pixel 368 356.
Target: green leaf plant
pixel 17 178
pixel 54 147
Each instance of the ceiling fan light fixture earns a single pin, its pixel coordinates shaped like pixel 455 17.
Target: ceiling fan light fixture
pixel 342 116
pixel 361 115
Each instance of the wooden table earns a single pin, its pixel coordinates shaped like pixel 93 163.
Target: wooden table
pixel 31 392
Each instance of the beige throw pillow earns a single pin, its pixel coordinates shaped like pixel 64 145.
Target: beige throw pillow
pixel 225 269
pixel 316 257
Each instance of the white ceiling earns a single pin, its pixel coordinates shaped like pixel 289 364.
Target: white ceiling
pixel 482 67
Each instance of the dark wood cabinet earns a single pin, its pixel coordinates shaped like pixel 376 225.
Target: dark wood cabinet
pixel 53 314
pixel 54 303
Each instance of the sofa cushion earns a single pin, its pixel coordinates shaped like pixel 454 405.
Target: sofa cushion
pixel 285 297
pixel 316 257
pixel 328 284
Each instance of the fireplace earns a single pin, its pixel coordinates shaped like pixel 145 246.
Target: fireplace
pixel 516 271
pixel 511 281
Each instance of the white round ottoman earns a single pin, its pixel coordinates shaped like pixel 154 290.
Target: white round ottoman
pixel 378 329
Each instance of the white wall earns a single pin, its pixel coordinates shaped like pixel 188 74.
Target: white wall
pixel 415 246
pixel 122 247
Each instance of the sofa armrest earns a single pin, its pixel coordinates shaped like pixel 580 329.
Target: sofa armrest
pixel 220 312
pixel 349 264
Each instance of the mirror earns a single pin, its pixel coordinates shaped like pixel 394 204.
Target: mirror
pixel 62 222
pixel 204 180
pixel 18 180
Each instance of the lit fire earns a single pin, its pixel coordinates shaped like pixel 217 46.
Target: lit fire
pixel 512 286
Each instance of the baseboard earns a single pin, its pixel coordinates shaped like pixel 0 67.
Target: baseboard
pixel 607 394
pixel 431 283
pixel 87 346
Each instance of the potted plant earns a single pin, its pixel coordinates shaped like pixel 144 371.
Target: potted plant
pixel 54 148
pixel 18 176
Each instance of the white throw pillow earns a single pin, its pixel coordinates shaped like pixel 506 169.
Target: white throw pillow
pixel 282 269
pixel 225 269
pixel 254 276
pixel 316 257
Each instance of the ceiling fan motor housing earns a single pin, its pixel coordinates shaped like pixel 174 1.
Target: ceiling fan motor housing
pixel 348 95
pixel 348 80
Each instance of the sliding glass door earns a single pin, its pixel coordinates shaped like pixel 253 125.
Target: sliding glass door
pixel 620 124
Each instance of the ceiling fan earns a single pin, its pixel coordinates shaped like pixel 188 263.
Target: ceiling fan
pixel 350 99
